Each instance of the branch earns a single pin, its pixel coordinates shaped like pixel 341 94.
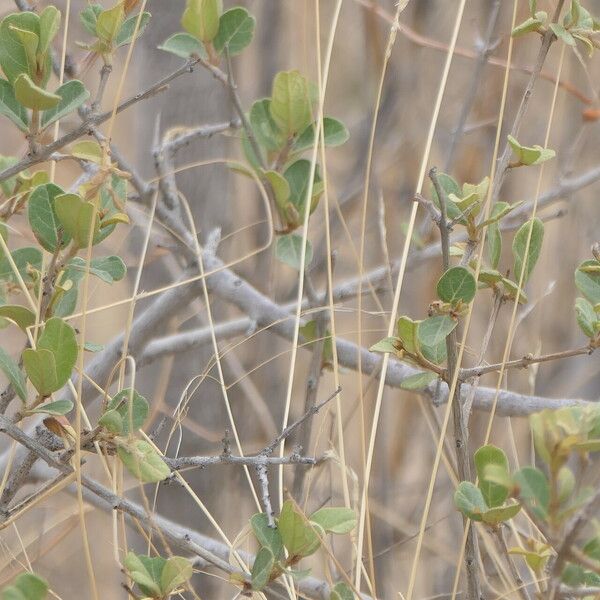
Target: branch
pixel 209 550
pixel 461 431
pixel 523 363
pixel 45 151
pixel 182 140
pixel 486 47
pixel 264 313
pixel 258 460
pixel 503 162
pixel 291 428
pixel 569 592
pixel 566 547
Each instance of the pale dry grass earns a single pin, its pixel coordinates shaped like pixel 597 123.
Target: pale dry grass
pixel 388 438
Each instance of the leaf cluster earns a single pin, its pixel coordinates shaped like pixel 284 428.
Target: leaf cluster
pixel 295 536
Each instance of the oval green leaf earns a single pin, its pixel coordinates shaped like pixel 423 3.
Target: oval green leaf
pixel 457 284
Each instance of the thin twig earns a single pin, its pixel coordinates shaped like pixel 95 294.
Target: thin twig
pixel 522 363
pixel 504 159
pixel 268 450
pixel 461 433
pixel 501 540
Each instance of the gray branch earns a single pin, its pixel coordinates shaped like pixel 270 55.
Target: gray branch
pixel 265 313
pixel 206 548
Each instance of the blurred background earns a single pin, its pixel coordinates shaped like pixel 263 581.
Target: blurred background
pixel 257 365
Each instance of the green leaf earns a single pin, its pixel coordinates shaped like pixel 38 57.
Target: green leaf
pixel 586 41
pixel 42 217
pixel 586 317
pixel 183 45
pixel 262 568
pixel 112 421
pixel 566 484
pixel 13 55
pixel 269 537
pixel 33 96
pixel 334 133
pixel 335 520
pixel 519 247
pixel 145 571
pixel 469 501
pixel 89 17
pixel 236 28
pixel 40 367
pixel 538 425
pixel 289 250
pixel 7 187
pixel 87 150
pixel 531 24
pixel 125 35
pixel 298 177
pixel 419 381
pixel 27 586
pixel 265 130
pixel 72 95
pixel 176 571
pixel 59 338
pixel 201 19
pixel 451 188
pixel 490 277
pixel 281 190
pixel 435 354
pixel 592 548
pixel 20 315
pixel 49 26
pixel 290 102
pixel 143 462
pixel 512 289
pixel 435 330
pixel 587 280
pixel 298 536
pixel 573 575
pixel 494 244
pixel 10 368
pixel 533 490
pixel 24 258
pixel 587 446
pixel 29 41
pixel 108 268
pixel 499 514
pixel 77 218
pixel 527 156
pixel 579 17
pixel 11 108
pixel 388 344
pixel 109 22
pixel 251 157
pixel 562 34
pixel 536 560
pixel 407 333
pixel 457 284
pixel 341 591
pixel 493 494
pixel 132 407
pixel 113 190
pixel 499 211
pixel 298 574
pixel 59 407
